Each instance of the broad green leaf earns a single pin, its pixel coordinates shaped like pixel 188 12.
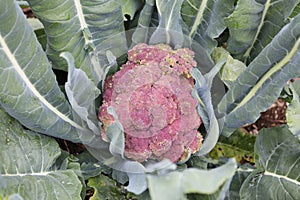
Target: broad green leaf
pixel 134 170
pixel 137 183
pixel 254 23
pixel 14 197
pixel 175 185
pixel 105 188
pixel 28 88
pixel 119 176
pixel 126 170
pixel 66 161
pixel 239 145
pixel 141 33
pixel 42 38
pixel 136 173
pixel 166 187
pixel 26 165
pixel 205 19
pixel 90 169
pixel 39 31
pixel 35 24
pixel 82 28
pixel 231 69
pixel 115 135
pixel 22 3
pixel 200 162
pixel 169 30
pixel 218 195
pixel 293 110
pixel 237 181
pixel 205 108
pixel 90 166
pixel 155 17
pixel 130 7
pixel 277 176
pixel 144 196
pixel 261 83
pixel 110 69
pixel 82 92
pixel 220 176
pixel 222 191
pixel 296 11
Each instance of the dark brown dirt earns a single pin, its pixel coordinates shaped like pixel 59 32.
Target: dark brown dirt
pixel 274 116
pixel 28 13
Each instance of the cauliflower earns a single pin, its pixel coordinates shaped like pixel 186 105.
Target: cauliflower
pixel 151 95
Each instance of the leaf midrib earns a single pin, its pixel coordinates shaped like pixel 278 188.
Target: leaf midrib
pixel 198 18
pixel 25 174
pixel 83 24
pixel 31 87
pixel 266 8
pixel 267 173
pixel 267 75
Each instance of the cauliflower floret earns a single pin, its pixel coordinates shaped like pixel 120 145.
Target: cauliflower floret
pixel 152 96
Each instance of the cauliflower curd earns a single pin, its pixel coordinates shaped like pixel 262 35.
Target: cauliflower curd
pixel 152 96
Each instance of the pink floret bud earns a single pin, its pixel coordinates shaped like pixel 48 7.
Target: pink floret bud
pixel 152 96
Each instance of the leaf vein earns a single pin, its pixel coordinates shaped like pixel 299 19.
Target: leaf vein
pixel 267 173
pixel 15 65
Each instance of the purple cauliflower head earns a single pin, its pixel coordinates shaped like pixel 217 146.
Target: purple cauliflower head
pixel 152 96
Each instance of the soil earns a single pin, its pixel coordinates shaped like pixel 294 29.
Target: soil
pixel 274 116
